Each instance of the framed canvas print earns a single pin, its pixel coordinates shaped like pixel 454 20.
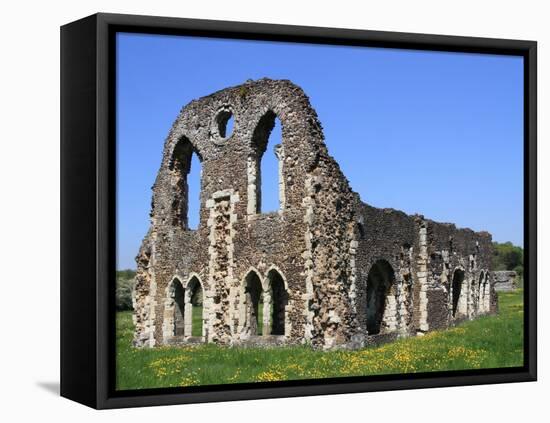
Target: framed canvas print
pixel 255 211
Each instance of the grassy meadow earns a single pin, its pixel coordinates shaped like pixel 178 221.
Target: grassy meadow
pixel 488 342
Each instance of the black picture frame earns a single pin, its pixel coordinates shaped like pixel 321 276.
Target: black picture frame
pixel 88 208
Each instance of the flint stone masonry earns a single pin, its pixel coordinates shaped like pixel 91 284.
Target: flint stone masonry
pixel 325 269
pixel 505 280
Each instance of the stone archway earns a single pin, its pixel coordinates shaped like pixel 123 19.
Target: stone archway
pixel 381 298
pixel 485 295
pixel 194 313
pixel 179 308
pixel 174 312
pixel 252 296
pixel 180 167
pixel 456 292
pixel 266 149
pixel 275 302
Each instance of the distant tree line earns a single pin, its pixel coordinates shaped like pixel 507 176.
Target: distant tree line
pixel 125 280
pixel 507 256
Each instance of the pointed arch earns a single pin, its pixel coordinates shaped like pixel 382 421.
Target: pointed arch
pixel 456 292
pixel 194 310
pixel 270 178
pixel 186 184
pixel 252 293
pixel 275 303
pixel 381 298
pixel 485 295
pixel 174 310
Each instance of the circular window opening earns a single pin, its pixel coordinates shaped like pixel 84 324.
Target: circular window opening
pixel 225 123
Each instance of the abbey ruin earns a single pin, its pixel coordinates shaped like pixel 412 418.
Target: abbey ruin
pixel 326 269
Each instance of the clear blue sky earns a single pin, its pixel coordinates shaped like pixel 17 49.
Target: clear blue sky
pixel 425 132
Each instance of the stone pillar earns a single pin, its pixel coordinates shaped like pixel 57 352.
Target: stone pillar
pixel 403 299
pixel 389 319
pixel 143 296
pixel 222 307
pixel 267 307
pixel 471 281
pixel 280 154
pixel 169 320
pixel 486 295
pixel 241 313
pixel 309 219
pixel 188 314
pixel 252 187
pixel 462 307
pixel 206 307
pixel 422 275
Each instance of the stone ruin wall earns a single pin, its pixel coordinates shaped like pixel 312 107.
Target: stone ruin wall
pixel 310 260
pixel 505 280
pixel 423 257
pixel 458 255
pixel 388 239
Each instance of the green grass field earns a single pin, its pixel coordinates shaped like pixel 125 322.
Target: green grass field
pixel 488 342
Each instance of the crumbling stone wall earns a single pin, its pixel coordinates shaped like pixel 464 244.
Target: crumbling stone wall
pixel 505 280
pixel 388 241
pixel 324 269
pixel 458 274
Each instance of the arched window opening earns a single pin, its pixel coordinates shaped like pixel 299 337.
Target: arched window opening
pixel 194 308
pixel 179 308
pixel 253 296
pixel 186 174
pixel 279 301
pixel 458 279
pixel 194 183
pixel 380 284
pixel 265 181
pixel 225 123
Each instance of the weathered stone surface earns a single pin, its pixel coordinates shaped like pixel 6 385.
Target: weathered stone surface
pixel 505 280
pixel 326 268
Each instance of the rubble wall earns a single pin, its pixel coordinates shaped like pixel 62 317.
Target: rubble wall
pixel 309 265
